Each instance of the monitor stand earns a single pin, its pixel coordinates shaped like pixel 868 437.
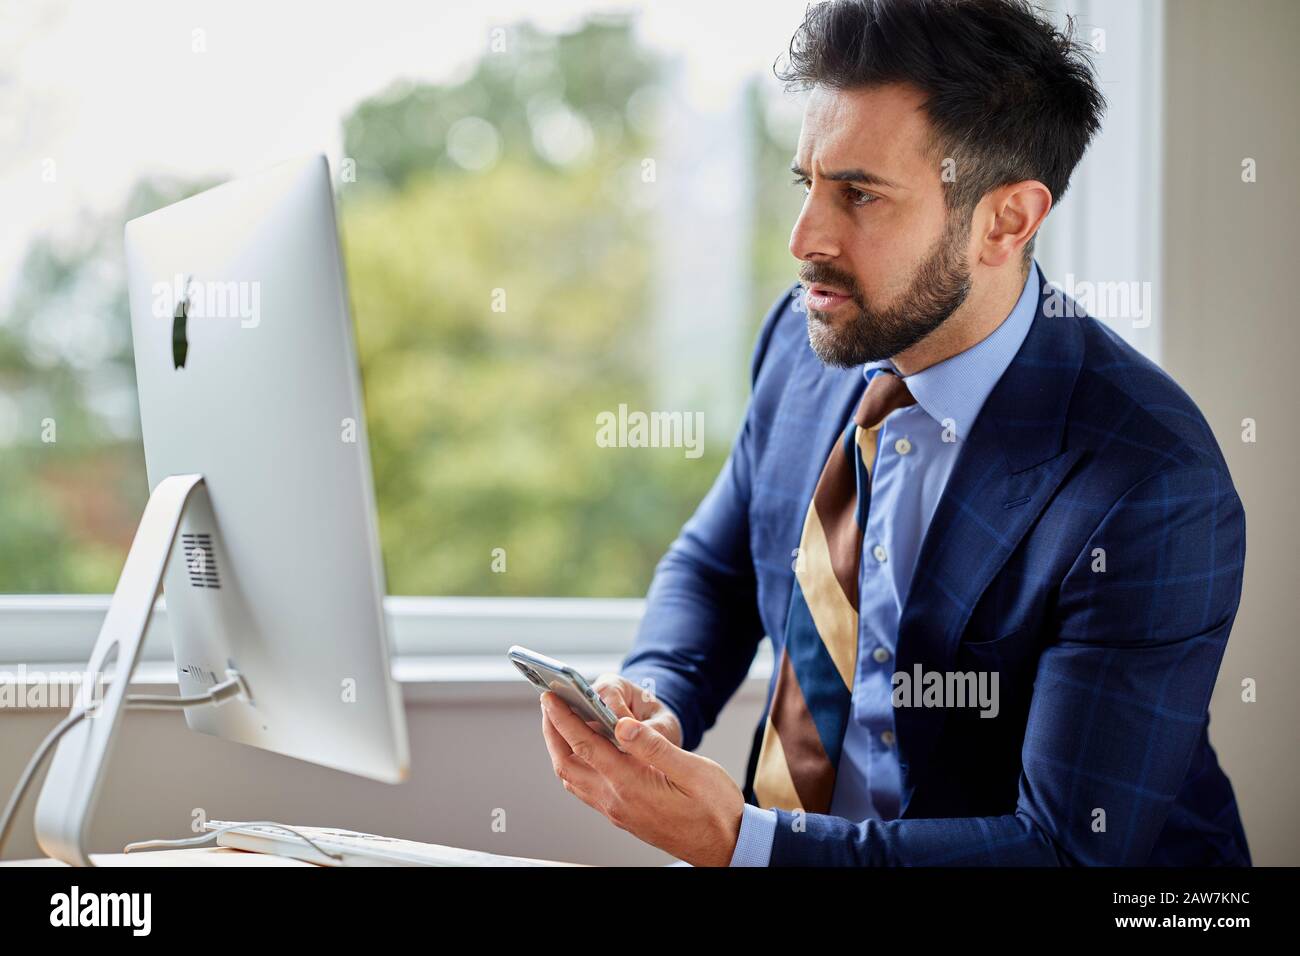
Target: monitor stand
pixel 77 769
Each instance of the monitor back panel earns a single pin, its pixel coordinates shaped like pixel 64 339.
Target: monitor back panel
pixel 277 569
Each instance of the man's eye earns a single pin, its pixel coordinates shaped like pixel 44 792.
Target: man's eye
pixel 800 181
pixel 857 197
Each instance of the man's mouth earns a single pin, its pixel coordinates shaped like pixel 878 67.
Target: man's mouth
pixel 822 298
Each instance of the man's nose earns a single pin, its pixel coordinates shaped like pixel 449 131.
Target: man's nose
pixel 814 235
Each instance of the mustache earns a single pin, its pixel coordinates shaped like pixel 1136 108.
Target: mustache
pixel 822 273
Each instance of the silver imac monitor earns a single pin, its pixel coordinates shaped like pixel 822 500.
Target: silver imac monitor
pixel 249 385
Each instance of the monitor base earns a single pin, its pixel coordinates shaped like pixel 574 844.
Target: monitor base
pixel 78 767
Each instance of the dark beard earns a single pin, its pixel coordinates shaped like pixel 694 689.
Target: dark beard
pixel 939 287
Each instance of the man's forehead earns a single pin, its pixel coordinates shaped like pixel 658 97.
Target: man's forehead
pixel 882 128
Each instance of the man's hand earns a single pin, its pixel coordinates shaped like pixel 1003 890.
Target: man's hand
pixel 627 699
pixel 678 801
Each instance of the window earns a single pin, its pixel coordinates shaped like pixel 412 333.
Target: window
pixel 550 225
pixel 552 222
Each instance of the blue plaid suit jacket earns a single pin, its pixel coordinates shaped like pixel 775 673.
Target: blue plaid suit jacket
pixel 1099 753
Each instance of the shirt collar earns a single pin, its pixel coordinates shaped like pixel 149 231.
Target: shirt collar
pixel 953 391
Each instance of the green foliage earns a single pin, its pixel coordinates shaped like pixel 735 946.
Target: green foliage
pixel 593 71
pixel 483 423
pixel 69 506
pixel 498 312
pixel 776 203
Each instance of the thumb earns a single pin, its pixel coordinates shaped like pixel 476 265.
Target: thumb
pixel 645 743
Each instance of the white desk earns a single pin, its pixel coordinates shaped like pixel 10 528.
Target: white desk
pixel 195 856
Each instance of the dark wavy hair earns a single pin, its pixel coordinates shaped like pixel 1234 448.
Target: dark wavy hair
pixel 1008 96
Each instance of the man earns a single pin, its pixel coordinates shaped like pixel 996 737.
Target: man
pixel 998 553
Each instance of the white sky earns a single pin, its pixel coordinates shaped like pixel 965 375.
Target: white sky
pixel 112 92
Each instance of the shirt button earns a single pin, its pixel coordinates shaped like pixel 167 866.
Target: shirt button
pixel 887 738
pixel 878 552
pixel 880 655
pixel 902 446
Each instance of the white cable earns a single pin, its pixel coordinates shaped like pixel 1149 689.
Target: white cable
pixel 219 693
pixel 208 837
pixel 38 758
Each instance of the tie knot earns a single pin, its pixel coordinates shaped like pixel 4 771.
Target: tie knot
pixel 885 393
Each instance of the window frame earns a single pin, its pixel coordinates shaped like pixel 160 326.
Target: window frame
pixel 61 628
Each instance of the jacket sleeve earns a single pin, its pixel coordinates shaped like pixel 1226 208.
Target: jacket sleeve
pixel 701 626
pixel 1120 699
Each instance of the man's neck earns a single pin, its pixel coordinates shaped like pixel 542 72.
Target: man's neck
pixel 987 307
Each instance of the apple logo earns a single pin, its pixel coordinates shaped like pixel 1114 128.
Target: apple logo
pixel 180 345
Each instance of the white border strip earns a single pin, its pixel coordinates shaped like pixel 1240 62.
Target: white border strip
pixel 61 628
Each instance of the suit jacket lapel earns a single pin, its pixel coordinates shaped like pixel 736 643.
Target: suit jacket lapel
pixel 1008 469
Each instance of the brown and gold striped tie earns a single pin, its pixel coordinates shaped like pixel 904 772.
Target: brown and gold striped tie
pixel 810 706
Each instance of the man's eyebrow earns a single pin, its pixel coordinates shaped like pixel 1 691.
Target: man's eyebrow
pixel 848 176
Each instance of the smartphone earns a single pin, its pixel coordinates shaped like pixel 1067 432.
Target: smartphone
pixel 546 673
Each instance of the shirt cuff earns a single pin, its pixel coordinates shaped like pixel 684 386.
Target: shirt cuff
pixel 757 831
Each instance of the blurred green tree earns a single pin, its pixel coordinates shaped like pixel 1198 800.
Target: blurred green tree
pixel 72 477
pixel 500 308
pixel 498 249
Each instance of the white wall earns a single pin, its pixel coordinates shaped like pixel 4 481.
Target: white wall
pixel 1232 340
pixel 468 758
pixel 1193 88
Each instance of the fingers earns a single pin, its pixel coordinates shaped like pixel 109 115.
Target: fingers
pixel 646 743
pixel 610 687
pixel 627 699
pixel 643 702
pixel 577 776
pixel 584 743
pixel 556 745
pixel 665 721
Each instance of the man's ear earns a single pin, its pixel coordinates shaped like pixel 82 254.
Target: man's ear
pixel 1009 217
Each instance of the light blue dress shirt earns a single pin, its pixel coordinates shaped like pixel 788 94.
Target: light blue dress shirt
pixel 916 451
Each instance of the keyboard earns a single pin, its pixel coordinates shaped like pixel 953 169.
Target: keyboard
pixel 356 849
